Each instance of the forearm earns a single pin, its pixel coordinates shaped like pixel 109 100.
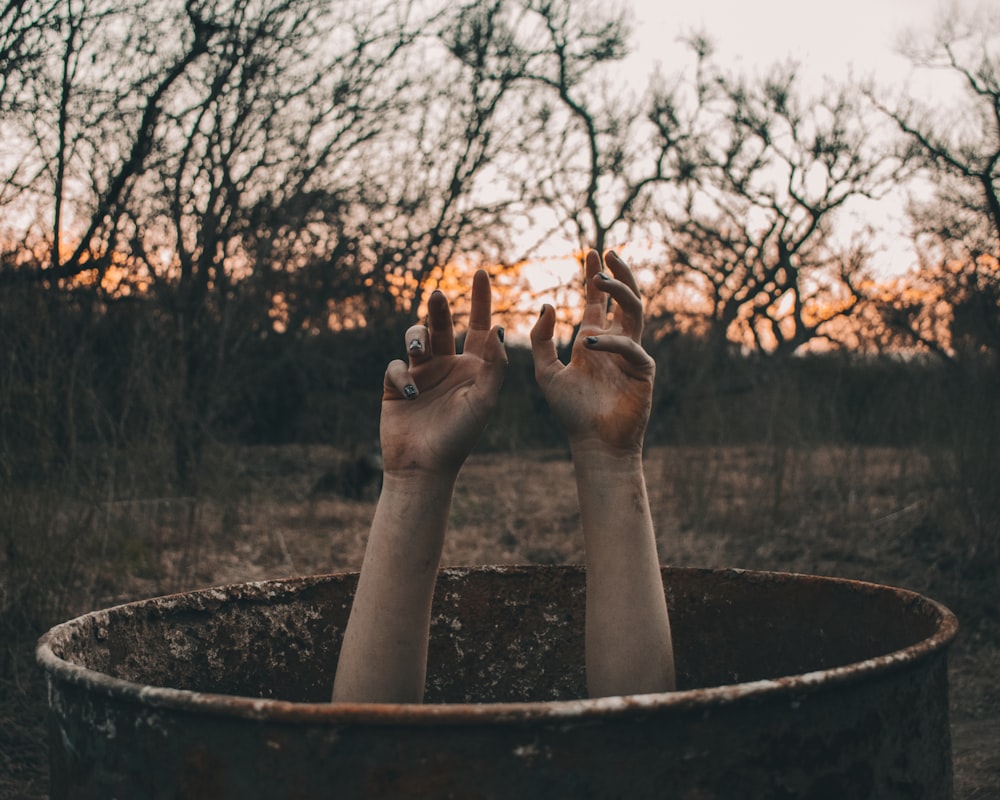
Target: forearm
pixel 384 653
pixel 628 640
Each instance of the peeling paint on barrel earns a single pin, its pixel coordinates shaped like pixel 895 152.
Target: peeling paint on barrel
pixel 789 686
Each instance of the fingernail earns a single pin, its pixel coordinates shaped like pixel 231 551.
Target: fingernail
pixel 409 391
pixel 591 340
pixel 542 312
pixel 604 276
pixel 500 334
pixel 416 346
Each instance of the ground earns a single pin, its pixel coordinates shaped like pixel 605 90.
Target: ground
pixel 860 513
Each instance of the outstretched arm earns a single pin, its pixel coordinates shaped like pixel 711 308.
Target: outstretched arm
pixel 433 410
pixel 602 399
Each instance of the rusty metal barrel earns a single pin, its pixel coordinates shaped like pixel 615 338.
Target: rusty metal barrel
pixel 789 686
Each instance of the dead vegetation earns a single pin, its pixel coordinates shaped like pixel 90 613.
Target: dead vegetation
pixel 880 514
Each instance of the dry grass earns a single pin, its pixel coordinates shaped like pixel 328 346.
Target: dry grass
pixel 865 513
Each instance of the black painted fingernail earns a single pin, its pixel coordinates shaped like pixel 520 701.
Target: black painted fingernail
pixel 416 346
pixel 591 340
pixel 500 334
pixel 604 276
pixel 541 313
pixel 409 391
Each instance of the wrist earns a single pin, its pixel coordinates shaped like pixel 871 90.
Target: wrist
pixel 614 502
pixel 419 482
pixel 595 456
pixel 410 521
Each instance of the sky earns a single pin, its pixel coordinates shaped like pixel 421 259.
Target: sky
pixel 826 37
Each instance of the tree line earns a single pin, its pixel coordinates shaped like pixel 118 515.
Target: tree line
pixel 214 212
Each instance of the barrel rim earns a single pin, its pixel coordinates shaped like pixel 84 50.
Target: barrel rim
pixel 185 700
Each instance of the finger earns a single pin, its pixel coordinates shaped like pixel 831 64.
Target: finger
pixel 417 341
pixel 621 271
pixel 624 346
pixel 480 313
pixel 595 308
pixel 440 325
pixel 399 383
pixel 628 313
pixel 543 345
pixel 628 309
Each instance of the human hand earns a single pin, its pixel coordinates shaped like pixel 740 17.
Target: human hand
pixel 603 396
pixel 435 407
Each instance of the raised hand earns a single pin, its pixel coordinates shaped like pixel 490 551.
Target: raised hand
pixel 602 398
pixel 433 410
pixel 603 395
pixel 436 406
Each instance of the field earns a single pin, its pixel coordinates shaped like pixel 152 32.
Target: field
pixel 867 513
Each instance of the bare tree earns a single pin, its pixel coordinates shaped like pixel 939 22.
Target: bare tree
pixel 492 132
pixel 249 183
pixel 24 27
pixel 441 190
pixel 597 151
pixel 767 169
pixel 87 125
pixel 958 229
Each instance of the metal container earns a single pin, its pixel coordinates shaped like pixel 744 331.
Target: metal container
pixel 789 686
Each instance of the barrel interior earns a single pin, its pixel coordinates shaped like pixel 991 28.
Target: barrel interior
pixel 502 634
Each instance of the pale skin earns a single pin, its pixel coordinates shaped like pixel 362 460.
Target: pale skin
pixel 434 409
pixel 602 399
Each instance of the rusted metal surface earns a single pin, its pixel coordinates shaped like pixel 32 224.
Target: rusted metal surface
pixel 789 686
